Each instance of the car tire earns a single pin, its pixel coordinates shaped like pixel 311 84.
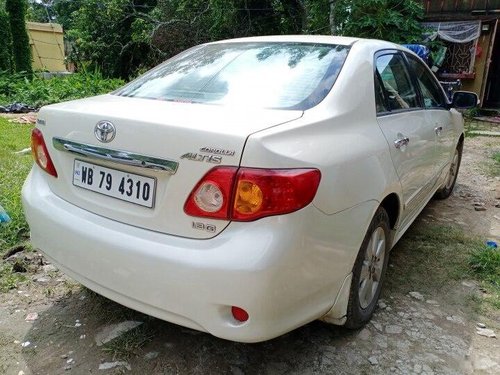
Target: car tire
pixel 369 271
pixel 445 191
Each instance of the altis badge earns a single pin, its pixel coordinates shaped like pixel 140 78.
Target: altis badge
pixel 214 155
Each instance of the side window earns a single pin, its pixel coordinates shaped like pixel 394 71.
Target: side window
pixel 379 95
pixel 396 82
pixel 431 91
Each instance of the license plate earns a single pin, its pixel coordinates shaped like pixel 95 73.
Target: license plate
pixel 125 186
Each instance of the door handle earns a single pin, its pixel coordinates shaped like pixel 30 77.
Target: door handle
pixel 438 130
pixel 398 143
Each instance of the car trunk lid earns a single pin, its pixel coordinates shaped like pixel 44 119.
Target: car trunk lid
pixel 159 152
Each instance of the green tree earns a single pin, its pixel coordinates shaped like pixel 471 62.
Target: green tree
pixel 393 20
pixel 6 45
pixel 64 12
pixel 184 23
pixel 111 35
pixel 58 11
pixel 20 41
pixel 317 16
pixel 37 12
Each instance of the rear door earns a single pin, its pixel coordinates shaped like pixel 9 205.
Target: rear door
pixel 403 121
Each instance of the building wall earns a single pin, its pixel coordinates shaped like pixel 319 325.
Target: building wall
pixel 47 46
pixel 475 84
pixel 459 10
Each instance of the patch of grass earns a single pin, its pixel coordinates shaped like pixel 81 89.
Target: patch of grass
pixel 13 171
pixel 40 91
pixel 469 126
pixel 10 279
pixel 472 125
pixel 438 252
pixel 485 263
pixel 130 343
pixel 494 168
pixel 431 258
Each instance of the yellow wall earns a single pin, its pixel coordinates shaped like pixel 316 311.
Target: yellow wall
pixel 47 46
pixel 475 85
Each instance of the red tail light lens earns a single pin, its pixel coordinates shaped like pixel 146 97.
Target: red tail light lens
pixel 248 194
pixel 212 195
pixel 40 152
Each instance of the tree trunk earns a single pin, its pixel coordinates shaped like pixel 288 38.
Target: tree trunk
pixel 333 27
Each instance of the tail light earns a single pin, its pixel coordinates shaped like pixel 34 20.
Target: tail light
pixel 248 194
pixel 40 152
pixel 211 196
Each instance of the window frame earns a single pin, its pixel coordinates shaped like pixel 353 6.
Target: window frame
pixel 444 98
pixel 385 52
pixel 414 81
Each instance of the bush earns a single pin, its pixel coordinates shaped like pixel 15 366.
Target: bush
pixel 6 45
pixel 40 91
pixel 20 41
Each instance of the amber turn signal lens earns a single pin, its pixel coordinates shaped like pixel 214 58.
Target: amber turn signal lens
pixel 249 198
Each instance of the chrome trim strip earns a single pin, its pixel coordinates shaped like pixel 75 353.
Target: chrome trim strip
pixel 115 156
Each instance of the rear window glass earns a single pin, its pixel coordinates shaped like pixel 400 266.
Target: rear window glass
pixel 265 75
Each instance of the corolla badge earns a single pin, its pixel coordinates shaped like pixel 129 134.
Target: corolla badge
pixel 105 131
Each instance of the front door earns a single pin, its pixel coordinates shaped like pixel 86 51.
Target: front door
pixel 437 114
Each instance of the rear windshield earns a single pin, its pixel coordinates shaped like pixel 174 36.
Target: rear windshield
pixel 264 75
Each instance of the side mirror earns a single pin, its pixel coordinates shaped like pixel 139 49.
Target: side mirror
pixel 464 100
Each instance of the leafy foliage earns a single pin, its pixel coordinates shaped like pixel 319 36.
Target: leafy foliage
pixel 21 47
pixel 60 11
pixel 318 17
pixel 37 12
pixel 39 91
pixel 393 20
pixel 124 37
pixel 6 63
pixel 184 23
pixel 111 35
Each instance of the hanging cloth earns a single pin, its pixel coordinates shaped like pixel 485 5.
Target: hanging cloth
pixel 455 32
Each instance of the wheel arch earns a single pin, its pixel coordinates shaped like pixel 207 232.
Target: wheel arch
pixel 392 206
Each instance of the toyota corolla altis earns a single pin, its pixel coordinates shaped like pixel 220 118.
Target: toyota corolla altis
pixel 246 187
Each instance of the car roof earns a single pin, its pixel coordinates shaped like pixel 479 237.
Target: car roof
pixel 323 39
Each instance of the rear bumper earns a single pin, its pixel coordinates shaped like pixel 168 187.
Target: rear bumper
pixel 284 271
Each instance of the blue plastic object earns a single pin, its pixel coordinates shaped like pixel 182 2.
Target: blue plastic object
pixel 4 217
pixel 422 51
pixel 491 244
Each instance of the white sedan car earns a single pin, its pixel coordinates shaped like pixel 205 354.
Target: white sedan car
pixel 246 187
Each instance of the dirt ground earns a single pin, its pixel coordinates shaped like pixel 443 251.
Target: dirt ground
pixel 428 331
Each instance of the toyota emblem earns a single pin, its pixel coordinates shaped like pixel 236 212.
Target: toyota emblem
pixel 105 131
